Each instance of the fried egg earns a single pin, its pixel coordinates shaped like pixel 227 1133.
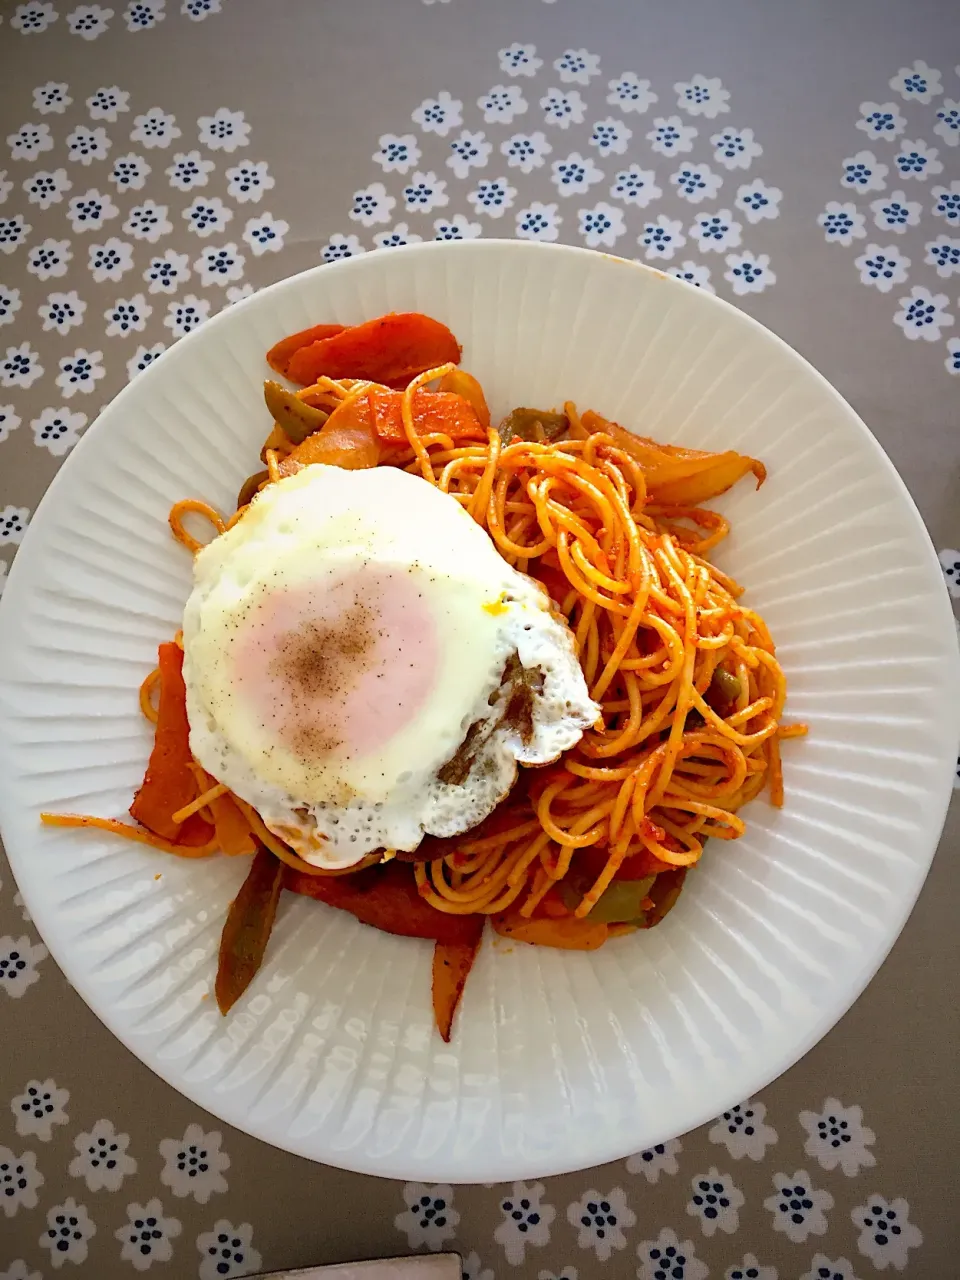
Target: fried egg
pixel 363 667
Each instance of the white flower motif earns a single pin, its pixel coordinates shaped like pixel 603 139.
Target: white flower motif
pixel 18 1269
pixel 601 1218
pixel 630 93
pixel 155 128
pixel 227 1251
pixel 143 357
pixel 140 16
pixel 30 141
pixel 51 97
pixel 190 169
pixel 881 120
pixel 437 115
pixel 577 66
pixel 750 1269
pixel 525 151
pixel 944 254
pixel 129 172
pixel 247 180
pixel 864 172
pixel 265 234
pixel 9 421
pixel 107 104
pixel 493 197
pixel 473 1268
pixel 947 203
pixel 526 1221
pixel 952 366
pixel 58 430
pixel 948 122
pixel 661 238
pixel 110 260
pixel 670 136
pixel 502 103
pixel 923 314
pixel 88 21
pixel 13 525
pixel 696 182
pixel 917 83
pixel 397 154
pixel 741 1129
pixel 20 367
pixel 836 1135
pixel 520 60
pixel 886 1233
pixel 429 1219
pixel 165 273
pixel 42 1103
pixel 659 1258
pixel 32 19
pixel 757 201
pixel 146 1235
pixel 715 1201
pixel 661 1159
pixel 13 232
pixel 80 371
pixel 69 1227
pixel 148 221
pixel 220 265
pixel 19 1180
pixel 575 174
pixel 895 212
pixel 821 1268
pixel 425 192
pixel 341 246
pixel 735 148
pixel 225 130
pixel 798 1208
pixel 563 109
pixel 456 228
pixel 400 235
pixel 199 10
pixel 917 160
pixel 702 96
pixel 47 187
pixel 610 136
pixel 194 1165
pixel 10 304
pixel 206 215
pixel 127 315
pixel 5 186
pixel 882 267
pixel 470 151
pixel 237 293
pixel 635 186
pixel 86 145
pixel 601 225
pixel 950 563
pixel 716 231
pixel 372 205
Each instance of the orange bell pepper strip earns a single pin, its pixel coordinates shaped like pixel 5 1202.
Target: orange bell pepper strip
pixel 567 933
pixel 452 962
pixel 169 783
pixel 440 411
pixel 390 350
pixel 282 352
pixel 347 439
pixel 675 476
pixel 247 928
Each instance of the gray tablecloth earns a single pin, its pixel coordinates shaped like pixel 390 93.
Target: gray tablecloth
pixel 162 160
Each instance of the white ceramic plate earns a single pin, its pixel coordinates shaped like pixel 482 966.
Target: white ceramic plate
pixel 559 1060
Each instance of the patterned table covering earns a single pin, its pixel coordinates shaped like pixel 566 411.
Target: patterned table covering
pixel 160 161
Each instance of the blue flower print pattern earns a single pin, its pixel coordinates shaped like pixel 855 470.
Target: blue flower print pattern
pixel 397 154
pixel 610 137
pixel 952 365
pixel 735 148
pixel 189 170
pixel 129 172
pixel 526 151
pixel 425 192
pixel 400 235
pixel 670 136
pixel 691 273
pixel 702 97
pixel 635 186
pixel 502 103
pixel 880 120
pixel 882 267
pixel 577 66
pixel 265 233
pixel 220 264
pixel 204 216
pixel 468 151
pixel 601 225
pixel 126 316
pixel 895 212
pixel 439 115
pixel 661 238
pixel 51 97
pixel 538 222
pixel 143 358
pixel 185 316
pixel 749 273
pixel 372 205
pixel 520 60
pixel 947 203
pixel 107 104
pixel 248 180
pixel 45 189
pixel 917 161
pixel 62 312
pixel 758 201
pixel 563 109
pixel 141 17
pixel 863 172
pixel 13 232
pixel 923 314
pixel 341 246
pixel 716 231
pixel 456 228
pixel 630 93
pixel 493 197
pixel 948 122
pixel 165 273
pixel 696 182
pixel 21 367
pixel 944 254
pixel 80 372
pixel 918 83
pixel 575 174
pixel 9 304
